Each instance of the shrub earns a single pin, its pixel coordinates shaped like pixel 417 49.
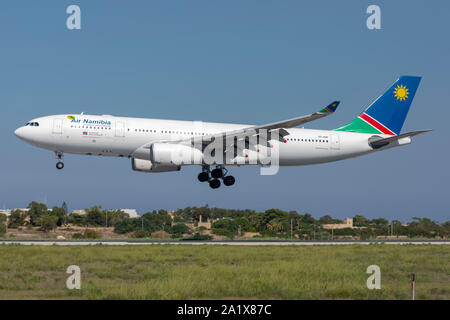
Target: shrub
pixel 268 233
pixel 199 236
pixel 160 234
pixel 77 236
pixel 140 234
pixel 91 234
pixel 222 232
pixel 179 229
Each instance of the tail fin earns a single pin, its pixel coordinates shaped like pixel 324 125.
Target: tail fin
pixel 387 113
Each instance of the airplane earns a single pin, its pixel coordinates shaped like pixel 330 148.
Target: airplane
pixel 156 145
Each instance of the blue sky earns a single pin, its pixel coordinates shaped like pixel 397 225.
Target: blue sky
pixel 227 61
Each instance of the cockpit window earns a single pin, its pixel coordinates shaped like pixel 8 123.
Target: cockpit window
pixel 32 124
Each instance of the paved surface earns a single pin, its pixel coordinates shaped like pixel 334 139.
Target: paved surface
pixel 228 243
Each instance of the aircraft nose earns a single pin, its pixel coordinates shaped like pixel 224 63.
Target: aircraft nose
pixel 19 132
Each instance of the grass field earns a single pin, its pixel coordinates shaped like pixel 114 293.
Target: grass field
pixel 224 272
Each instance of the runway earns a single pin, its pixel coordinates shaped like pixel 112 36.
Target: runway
pixel 222 243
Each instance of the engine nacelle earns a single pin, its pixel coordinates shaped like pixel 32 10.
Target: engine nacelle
pixel 148 166
pixel 175 154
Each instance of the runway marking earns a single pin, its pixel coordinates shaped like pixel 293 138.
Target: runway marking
pixel 220 243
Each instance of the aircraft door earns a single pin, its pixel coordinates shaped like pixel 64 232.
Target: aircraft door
pixel 57 126
pixel 335 143
pixel 120 129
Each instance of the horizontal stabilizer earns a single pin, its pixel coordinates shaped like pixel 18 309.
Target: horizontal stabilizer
pixel 378 142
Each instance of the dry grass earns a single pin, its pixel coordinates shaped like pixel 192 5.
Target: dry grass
pixel 221 272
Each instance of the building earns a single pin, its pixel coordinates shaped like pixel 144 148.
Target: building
pixel 8 211
pixel 348 223
pixel 132 213
pixel 79 212
pixel 171 214
pixel 206 224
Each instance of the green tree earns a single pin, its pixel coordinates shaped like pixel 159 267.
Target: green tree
pixel 60 214
pixel 179 229
pixel 48 223
pixel 380 222
pixel 37 212
pixel 360 221
pixel 115 216
pixel 243 223
pixel 275 225
pixel 2 224
pixel 16 219
pixel 64 206
pixel 225 227
pixel 95 217
pixel 124 226
pixel 76 219
pixel 155 221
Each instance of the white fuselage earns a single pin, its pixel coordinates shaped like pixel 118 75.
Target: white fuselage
pixel 124 137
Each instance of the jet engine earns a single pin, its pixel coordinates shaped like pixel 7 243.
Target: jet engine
pixel 174 154
pixel 148 166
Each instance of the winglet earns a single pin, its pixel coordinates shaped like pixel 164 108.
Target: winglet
pixel 330 108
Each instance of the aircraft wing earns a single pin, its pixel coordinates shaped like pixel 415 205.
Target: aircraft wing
pixel 378 143
pixel 255 130
pixel 240 134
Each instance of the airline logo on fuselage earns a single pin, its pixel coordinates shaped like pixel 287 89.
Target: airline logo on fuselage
pixel 89 121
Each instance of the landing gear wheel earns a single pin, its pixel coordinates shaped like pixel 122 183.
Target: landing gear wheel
pixel 217 173
pixel 59 165
pixel 228 180
pixel 214 183
pixel 203 176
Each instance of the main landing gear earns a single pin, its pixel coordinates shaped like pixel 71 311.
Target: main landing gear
pixel 59 164
pixel 213 177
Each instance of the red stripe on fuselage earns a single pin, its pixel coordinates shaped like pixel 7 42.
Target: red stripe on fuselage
pixel 376 124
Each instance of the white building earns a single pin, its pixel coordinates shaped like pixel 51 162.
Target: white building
pixel 132 213
pixel 8 211
pixel 80 212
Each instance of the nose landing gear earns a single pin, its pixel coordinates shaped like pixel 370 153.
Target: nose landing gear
pixel 59 164
pixel 213 177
